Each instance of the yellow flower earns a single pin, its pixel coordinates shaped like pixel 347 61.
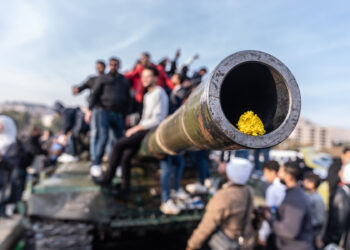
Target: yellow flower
pixel 250 124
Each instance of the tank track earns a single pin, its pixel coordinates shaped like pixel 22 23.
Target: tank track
pixel 54 235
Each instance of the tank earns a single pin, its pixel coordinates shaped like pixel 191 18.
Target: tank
pixel 68 210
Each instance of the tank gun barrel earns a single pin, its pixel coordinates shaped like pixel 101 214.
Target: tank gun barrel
pixel 246 80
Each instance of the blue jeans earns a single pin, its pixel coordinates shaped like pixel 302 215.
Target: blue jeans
pixel 106 120
pixel 71 147
pixel 171 165
pixel 93 134
pixel 266 152
pixel 242 153
pixel 199 158
pixel 111 141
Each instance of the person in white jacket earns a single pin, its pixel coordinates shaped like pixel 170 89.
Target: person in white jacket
pixel 155 110
pixel 274 196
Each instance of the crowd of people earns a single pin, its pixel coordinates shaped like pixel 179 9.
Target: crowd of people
pixel 20 155
pixel 123 107
pixel 294 215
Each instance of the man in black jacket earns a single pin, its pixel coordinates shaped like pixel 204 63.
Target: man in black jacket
pixel 292 222
pixel 90 84
pixel 110 98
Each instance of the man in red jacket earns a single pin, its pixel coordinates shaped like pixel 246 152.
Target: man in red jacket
pixel 134 76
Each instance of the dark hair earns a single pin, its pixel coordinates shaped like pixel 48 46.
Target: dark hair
pixel 181 77
pixel 35 129
pixel 136 63
pixel 346 149
pixel 292 168
pixel 163 62
pixel 203 69
pixel 153 69
pixel 116 59
pixel 101 62
pixel 314 178
pixel 271 165
pixel 148 55
pixel 58 107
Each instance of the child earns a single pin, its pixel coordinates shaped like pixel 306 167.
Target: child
pixel 311 182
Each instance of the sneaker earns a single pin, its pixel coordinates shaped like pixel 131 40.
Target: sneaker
pixel 181 204
pixel 212 185
pixel 96 171
pixel 208 182
pixel 195 203
pixel 119 172
pixel 67 158
pixel 10 209
pixel 196 188
pixel 179 194
pixel 170 207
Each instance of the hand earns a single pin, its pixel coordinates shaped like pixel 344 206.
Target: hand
pixel 177 53
pixel 186 84
pixel 262 242
pixel 319 242
pixel 267 214
pixel 129 132
pixel 75 90
pixel 87 116
pixel 132 131
pixel 196 56
pixel 222 167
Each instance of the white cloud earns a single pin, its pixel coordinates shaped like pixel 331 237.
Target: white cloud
pixel 23 23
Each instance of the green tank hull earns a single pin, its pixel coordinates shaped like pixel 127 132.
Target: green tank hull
pixel 70 194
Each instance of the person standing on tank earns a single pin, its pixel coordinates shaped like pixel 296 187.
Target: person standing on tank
pixel 89 84
pixel 110 99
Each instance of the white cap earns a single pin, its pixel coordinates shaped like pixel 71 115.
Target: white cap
pixel 346 174
pixel 238 170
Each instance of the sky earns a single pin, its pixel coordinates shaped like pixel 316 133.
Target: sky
pixel 47 46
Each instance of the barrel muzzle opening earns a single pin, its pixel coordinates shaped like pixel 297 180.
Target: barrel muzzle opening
pixel 256 82
pixel 251 87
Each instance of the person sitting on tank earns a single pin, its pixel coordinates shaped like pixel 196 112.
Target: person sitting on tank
pixel 36 155
pixel 227 222
pixel 73 126
pixel 155 109
pixel 135 78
